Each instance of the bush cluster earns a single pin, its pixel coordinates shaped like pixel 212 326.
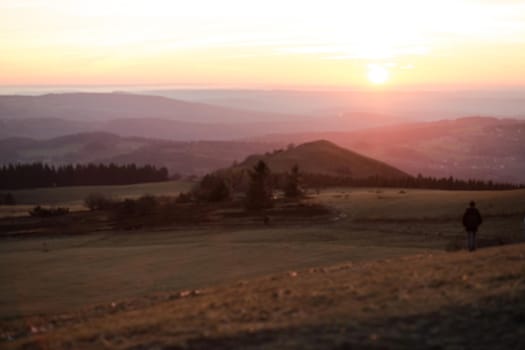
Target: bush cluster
pixel 145 205
pixel 98 201
pixel 213 188
pixel 41 212
pixel 148 211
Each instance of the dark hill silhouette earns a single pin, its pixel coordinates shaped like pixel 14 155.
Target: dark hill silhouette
pixel 324 157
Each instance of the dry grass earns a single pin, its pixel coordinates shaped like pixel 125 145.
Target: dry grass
pixel 422 204
pixel 50 275
pixel 425 301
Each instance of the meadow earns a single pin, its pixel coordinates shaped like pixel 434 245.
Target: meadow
pixel 49 274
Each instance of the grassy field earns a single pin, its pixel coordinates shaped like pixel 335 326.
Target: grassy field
pixel 52 274
pixel 414 204
pixel 73 197
pixel 425 301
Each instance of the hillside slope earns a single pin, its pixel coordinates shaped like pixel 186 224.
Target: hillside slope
pixel 473 147
pixel 102 147
pixel 428 301
pixel 324 157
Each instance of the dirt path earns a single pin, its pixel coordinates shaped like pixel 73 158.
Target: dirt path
pixel 444 300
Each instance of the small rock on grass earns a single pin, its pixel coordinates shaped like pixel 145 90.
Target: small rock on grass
pixel 187 293
pixel 184 293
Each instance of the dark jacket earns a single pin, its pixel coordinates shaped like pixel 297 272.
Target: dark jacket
pixel 472 219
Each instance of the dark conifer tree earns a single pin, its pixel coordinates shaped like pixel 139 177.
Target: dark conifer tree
pixel 260 190
pixel 292 186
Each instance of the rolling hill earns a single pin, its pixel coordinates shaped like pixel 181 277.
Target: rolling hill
pixel 324 157
pixel 320 157
pixel 179 157
pixel 472 147
pixel 54 115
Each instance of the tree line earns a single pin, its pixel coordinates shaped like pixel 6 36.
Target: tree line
pixel 258 184
pixel 18 176
pixel 424 182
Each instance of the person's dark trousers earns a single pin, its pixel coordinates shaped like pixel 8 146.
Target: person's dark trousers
pixel 471 240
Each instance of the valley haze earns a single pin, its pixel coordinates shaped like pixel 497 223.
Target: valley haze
pixel 386 125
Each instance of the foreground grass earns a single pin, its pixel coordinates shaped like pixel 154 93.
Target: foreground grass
pixel 424 301
pixel 57 275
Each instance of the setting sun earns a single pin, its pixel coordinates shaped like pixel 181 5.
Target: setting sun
pixel 377 74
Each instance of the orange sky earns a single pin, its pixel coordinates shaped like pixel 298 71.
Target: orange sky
pixel 271 44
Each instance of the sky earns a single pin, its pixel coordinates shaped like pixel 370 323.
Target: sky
pixel 271 43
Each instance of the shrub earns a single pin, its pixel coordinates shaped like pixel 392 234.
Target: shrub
pixel 142 206
pixel 149 211
pixel 184 198
pixel 98 201
pixel 127 208
pixel 147 204
pixel 213 188
pixel 40 212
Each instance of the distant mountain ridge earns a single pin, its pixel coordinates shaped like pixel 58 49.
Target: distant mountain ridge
pixel 87 106
pixel 125 114
pixel 53 115
pixel 404 105
pixel 45 128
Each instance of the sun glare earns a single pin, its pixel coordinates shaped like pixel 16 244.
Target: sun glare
pixel 264 43
pixel 378 75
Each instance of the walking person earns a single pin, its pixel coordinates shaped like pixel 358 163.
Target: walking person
pixel 471 221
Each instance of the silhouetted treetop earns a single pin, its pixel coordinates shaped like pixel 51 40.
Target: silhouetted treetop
pixel 17 176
